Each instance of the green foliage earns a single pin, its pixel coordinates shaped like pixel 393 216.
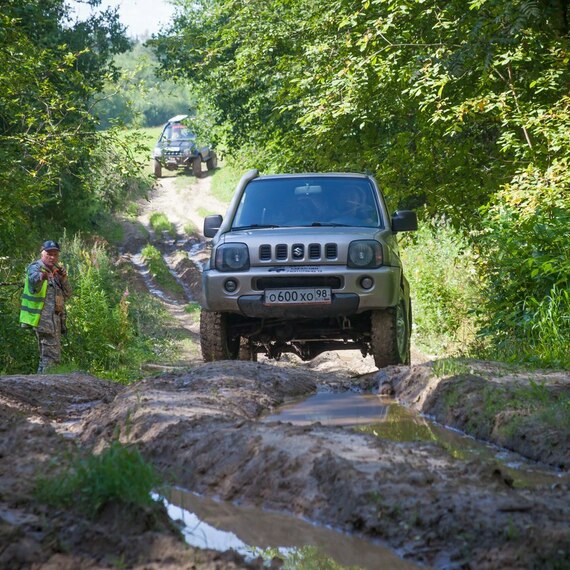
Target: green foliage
pixel 160 223
pixel 140 98
pixel 118 474
pixel 50 70
pixel 525 259
pixel 443 281
pixel 160 272
pixel 105 337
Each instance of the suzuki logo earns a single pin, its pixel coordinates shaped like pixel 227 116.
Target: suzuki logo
pixel 298 251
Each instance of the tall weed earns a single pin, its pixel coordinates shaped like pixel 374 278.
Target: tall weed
pixel 106 322
pixel 440 267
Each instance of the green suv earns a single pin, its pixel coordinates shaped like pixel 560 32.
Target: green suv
pixel 177 148
pixel 306 263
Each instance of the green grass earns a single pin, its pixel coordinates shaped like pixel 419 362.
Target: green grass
pixel 191 228
pixel 449 367
pixel 202 212
pixel 89 482
pixel 224 182
pixel 160 223
pixel 160 272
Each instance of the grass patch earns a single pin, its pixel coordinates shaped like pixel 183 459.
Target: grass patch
pixel 191 228
pixel 224 182
pixel 89 482
pixel 160 223
pixel 202 212
pixel 160 272
pixel 449 367
pixel 193 309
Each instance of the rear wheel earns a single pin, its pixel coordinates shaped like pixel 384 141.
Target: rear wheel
pixel 157 168
pixel 212 162
pixel 390 336
pixel 197 166
pixel 215 341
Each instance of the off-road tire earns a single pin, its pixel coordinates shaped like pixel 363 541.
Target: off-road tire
pixel 212 162
pixel 214 338
pixel 197 166
pixel 157 168
pixel 390 336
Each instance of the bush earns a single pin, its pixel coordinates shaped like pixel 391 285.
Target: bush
pixel 106 322
pixel 442 274
pixel 525 264
pixel 118 474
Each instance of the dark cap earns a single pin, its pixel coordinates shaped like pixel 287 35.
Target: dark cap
pixel 49 244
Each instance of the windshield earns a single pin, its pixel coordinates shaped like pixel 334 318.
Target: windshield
pixel 176 131
pixel 310 201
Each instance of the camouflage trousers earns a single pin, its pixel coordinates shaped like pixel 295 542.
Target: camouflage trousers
pixel 49 346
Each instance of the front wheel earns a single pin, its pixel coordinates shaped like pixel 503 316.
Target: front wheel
pixel 212 162
pixel 157 168
pixel 215 340
pixel 390 336
pixel 197 166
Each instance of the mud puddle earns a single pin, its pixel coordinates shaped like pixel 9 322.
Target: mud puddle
pixel 253 532
pixel 386 419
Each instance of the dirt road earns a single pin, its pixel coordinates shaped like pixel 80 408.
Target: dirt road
pixel 201 425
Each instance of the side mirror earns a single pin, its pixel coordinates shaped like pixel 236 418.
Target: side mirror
pixel 404 221
pixel 212 225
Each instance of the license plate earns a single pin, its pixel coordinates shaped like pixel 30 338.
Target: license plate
pixel 300 296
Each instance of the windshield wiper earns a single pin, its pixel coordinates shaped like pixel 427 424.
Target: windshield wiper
pixel 257 227
pixel 329 225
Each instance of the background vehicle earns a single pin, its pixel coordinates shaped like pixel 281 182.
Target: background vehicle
pixel 306 263
pixel 177 148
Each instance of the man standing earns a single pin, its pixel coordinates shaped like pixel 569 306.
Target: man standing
pixel 43 303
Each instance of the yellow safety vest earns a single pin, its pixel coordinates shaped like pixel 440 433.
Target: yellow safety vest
pixel 32 304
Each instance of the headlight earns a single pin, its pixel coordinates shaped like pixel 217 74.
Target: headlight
pixel 157 152
pixel 366 253
pixel 232 257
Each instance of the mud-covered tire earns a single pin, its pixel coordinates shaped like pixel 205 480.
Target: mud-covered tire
pixel 197 166
pixel 215 342
pixel 157 168
pixel 212 162
pixel 390 336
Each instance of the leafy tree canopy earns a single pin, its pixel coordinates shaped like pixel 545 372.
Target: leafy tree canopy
pixel 51 68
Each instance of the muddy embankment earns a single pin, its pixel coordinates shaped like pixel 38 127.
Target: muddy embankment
pixel 202 428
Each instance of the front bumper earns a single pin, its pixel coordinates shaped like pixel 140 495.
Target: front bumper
pixel 347 299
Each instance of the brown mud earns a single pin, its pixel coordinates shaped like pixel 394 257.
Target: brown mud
pixel 202 427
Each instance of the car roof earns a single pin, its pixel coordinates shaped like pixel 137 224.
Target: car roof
pixel 312 174
pixel 177 118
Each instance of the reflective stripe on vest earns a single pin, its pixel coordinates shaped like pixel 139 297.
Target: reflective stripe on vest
pixel 32 304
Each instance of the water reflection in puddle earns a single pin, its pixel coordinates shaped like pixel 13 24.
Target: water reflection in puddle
pixel 253 532
pixel 387 419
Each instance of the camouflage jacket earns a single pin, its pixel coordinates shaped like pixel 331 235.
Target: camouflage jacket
pixel 58 291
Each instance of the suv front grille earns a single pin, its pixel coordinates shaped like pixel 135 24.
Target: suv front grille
pixel 298 252
pixel 281 251
pixel 262 283
pixel 265 252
